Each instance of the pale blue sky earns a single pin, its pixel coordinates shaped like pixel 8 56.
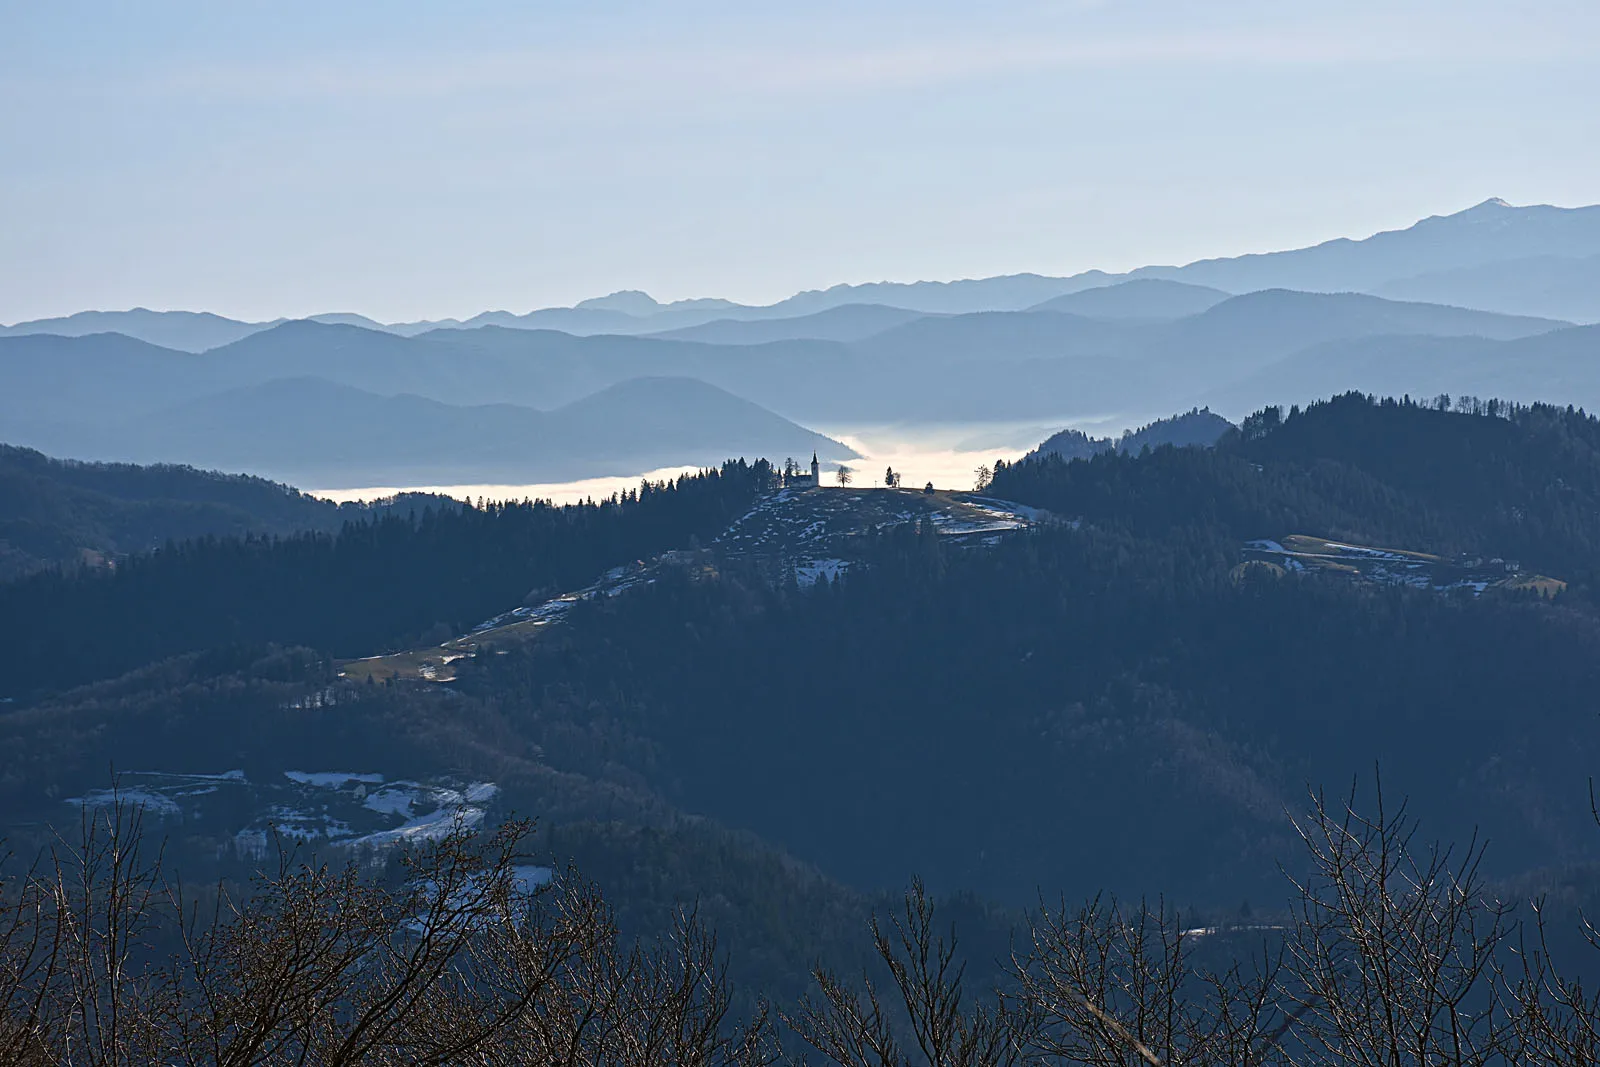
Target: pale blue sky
pixel 422 160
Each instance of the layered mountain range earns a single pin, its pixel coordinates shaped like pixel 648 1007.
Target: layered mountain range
pixel 623 383
pixel 1535 260
pixel 363 423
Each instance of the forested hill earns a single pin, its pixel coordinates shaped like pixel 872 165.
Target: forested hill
pixel 382 580
pixel 1483 477
pixel 1199 426
pixel 1117 704
pixel 56 511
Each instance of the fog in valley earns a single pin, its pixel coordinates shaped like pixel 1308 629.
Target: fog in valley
pixel 948 456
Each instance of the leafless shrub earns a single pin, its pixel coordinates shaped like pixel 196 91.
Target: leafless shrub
pixel 1557 1020
pixel 327 966
pixel 1114 987
pixel 1395 955
pixel 857 1029
pixel 612 1003
pixel 459 963
pixel 1393 946
pixel 72 990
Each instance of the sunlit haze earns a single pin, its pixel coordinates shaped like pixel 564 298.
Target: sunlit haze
pixel 946 457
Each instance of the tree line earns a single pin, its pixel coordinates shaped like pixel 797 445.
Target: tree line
pixel 1394 951
pixel 70 513
pixel 1493 478
pixel 380 582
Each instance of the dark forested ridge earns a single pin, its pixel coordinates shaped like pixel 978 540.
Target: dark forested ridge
pixel 1498 479
pixel 972 714
pixel 376 583
pixel 1074 711
pixel 1105 701
pixel 56 511
pixel 1199 426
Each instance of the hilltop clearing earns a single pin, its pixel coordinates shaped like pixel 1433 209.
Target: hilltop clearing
pixel 1392 566
pixel 798 536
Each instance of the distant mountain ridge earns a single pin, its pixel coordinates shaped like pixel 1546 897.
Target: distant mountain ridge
pixel 66 394
pixel 1492 231
pixel 1561 366
pixel 189 331
pixel 1563 287
pixel 847 322
pixel 483 400
pixel 1140 298
pixel 1478 258
pixel 311 431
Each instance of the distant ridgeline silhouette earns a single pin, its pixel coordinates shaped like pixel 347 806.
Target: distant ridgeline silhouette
pixel 1524 260
pixel 1198 427
pixel 300 400
pixel 323 434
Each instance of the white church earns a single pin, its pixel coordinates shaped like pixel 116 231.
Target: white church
pixel 796 478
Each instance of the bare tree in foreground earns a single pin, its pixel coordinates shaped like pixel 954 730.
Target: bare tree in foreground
pixel 460 963
pixel 1393 947
pixel 71 988
pixel 1394 956
pixel 1109 986
pixel 856 1028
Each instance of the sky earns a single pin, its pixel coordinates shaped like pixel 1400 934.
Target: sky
pixel 409 160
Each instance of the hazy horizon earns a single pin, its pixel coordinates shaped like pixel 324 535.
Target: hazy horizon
pixel 821 287
pixel 408 163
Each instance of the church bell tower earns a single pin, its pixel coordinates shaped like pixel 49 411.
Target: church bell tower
pixel 816 471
